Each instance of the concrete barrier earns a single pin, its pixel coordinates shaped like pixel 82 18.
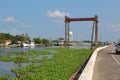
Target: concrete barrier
pixel 88 70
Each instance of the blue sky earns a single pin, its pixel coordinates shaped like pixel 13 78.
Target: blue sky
pixel 45 18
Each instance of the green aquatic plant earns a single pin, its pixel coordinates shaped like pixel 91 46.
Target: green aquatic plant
pixel 60 66
pixel 5 77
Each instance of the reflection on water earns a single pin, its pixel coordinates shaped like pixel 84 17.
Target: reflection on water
pixel 5 67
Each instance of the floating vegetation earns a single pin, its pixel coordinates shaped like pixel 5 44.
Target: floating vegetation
pixel 5 77
pixel 57 65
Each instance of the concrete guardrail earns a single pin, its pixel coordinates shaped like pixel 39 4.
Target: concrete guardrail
pixel 88 70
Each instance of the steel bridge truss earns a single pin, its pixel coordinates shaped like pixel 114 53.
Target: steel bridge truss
pixel 67 27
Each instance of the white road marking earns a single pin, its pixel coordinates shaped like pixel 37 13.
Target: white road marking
pixel 115 58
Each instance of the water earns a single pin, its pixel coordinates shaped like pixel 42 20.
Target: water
pixel 5 67
pixel 19 49
pixel 42 56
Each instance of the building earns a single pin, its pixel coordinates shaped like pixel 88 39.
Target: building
pixel 7 42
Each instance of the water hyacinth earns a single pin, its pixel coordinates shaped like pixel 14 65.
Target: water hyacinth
pixel 62 64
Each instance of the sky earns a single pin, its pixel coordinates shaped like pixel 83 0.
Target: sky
pixel 45 18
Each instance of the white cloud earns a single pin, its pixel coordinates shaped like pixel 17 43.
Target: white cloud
pixel 26 26
pixel 8 19
pixel 57 14
pixel 114 27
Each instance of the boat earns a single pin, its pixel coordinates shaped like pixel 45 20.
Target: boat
pixel 28 44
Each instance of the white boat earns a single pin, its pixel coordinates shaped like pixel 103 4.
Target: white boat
pixel 28 44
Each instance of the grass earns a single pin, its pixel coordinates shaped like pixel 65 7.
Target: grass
pixel 60 67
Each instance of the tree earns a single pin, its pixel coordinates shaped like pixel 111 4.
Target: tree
pixel 2 41
pixel 25 37
pixel 6 36
pixel 45 41
pixel 60 38
pixel 18 37
pixel 37 40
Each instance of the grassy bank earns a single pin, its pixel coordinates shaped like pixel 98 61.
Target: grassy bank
pixel 60 66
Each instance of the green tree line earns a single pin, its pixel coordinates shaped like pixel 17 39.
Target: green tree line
pixel 41 41
pixel 23 37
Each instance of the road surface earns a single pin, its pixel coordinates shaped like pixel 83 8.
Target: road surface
pixel 107 65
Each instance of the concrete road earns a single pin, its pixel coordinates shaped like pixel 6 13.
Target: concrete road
pixel 107 65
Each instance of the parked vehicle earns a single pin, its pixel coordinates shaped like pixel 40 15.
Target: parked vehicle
pixel 118 48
